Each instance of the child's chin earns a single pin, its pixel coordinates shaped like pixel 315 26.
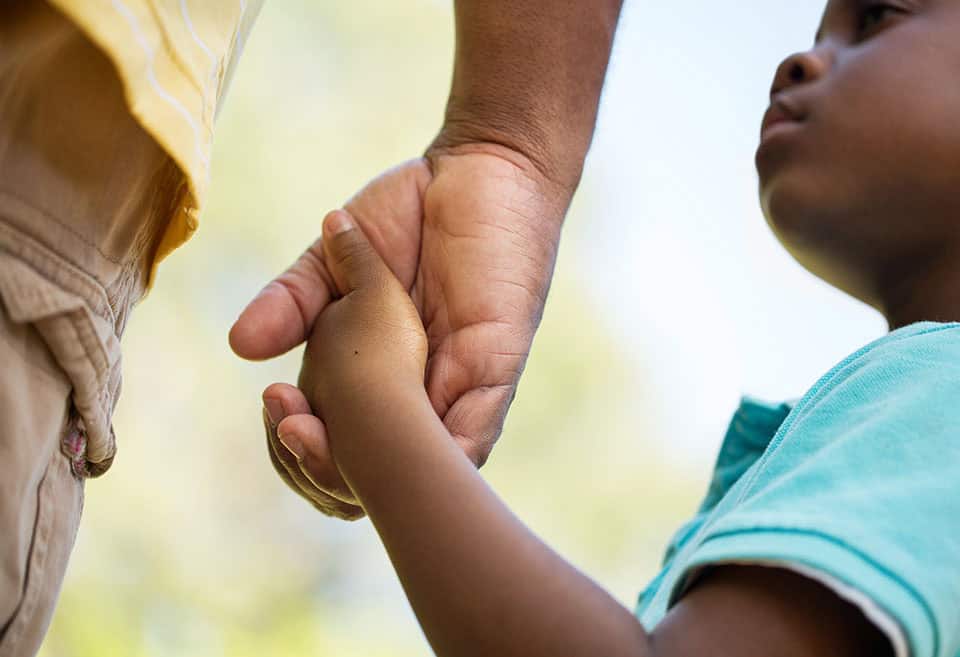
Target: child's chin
pixel 789 206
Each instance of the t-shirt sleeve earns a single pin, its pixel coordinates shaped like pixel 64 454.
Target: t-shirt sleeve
pixel 860 489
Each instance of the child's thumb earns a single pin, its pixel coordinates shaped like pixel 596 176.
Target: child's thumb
pixel 351 259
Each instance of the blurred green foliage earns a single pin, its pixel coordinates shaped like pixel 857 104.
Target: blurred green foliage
pixel 191 545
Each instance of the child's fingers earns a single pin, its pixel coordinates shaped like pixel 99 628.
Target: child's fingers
pixel 299 484
pixel 351 259
pixel 306 436
pixel 287 466
pixel 281 400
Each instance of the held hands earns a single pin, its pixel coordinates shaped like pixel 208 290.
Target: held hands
pixel 472 238
pixel 367 349
pixel 370 340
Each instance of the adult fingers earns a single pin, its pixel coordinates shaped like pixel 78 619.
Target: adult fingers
pixel 280 317
pixel 475 420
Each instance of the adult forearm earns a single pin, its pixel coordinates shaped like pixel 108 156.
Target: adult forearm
pixel 528 75
pixel 479 581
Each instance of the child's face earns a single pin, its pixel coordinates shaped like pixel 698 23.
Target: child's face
pixel 864 187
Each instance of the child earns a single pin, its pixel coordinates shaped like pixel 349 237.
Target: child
pixel 832 526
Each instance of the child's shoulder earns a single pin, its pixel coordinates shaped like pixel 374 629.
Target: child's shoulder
pixel 934 342
pixel 856 487
pixel 909 364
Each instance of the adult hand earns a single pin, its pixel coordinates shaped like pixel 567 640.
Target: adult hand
pixel 472 232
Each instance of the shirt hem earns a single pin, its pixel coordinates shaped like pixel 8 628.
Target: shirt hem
pixel 160 97
pixel 834 559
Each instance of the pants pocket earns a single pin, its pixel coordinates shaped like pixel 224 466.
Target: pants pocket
pixel 82 344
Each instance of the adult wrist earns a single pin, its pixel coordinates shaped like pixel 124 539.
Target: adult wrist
pixel 553 155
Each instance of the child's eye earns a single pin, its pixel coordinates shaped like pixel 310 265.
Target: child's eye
pixel 875 15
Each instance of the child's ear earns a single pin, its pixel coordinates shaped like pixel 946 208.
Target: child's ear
pixel 351 259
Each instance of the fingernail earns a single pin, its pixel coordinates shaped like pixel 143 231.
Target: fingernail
pixel 292 444
pixel 274 410
pixel 338 222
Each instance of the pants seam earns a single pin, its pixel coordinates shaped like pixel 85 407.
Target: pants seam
pixel 37 561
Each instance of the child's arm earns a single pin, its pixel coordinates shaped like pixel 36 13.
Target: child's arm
pixel 480 583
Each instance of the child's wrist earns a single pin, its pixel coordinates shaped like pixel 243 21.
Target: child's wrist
pixel 368 440
pixel 367 417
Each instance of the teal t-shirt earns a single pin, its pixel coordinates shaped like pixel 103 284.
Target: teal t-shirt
pixel 857 484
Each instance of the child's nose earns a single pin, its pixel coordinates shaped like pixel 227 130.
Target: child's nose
pixel 801 68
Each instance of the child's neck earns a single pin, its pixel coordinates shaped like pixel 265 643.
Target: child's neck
pixel 929 293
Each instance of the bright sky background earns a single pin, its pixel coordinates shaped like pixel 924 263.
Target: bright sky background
pixel 691 278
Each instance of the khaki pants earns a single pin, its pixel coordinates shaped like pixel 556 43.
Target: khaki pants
pixel 84 196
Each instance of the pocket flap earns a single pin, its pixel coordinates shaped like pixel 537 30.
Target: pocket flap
pixel 83 344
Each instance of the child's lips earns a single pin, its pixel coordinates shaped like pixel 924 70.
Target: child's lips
pixel 780 115
pixel 783 119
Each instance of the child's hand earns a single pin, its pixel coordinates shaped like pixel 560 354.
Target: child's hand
pixel 369 346
pixel 365 359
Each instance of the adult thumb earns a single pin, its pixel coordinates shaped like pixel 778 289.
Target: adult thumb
pixel 351 259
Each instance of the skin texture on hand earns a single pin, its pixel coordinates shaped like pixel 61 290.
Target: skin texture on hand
pixel 486 263
pixel 472 234
pixel 471 230
pixel 371 340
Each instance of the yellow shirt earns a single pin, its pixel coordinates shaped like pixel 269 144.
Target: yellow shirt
pixel 175 59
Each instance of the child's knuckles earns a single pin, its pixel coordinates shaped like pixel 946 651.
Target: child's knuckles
pixel 352 257
pixel 323 473
pixel 345 256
